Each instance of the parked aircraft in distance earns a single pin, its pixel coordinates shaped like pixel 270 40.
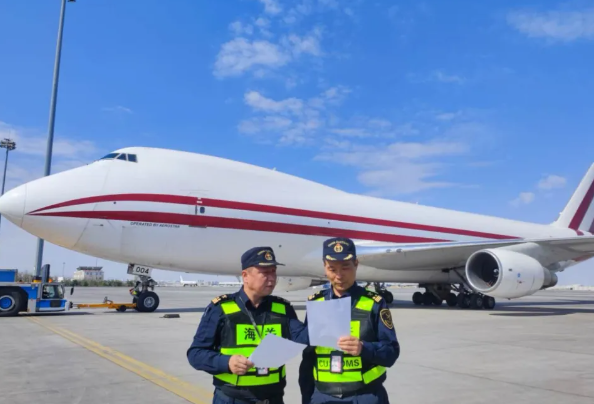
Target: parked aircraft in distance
pixel 180 211
pixel 187 283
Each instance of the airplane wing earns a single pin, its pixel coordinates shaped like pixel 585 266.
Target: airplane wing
pixel 454 254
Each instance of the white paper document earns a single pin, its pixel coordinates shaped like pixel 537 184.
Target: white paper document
pixel 274 351
pixel 328 320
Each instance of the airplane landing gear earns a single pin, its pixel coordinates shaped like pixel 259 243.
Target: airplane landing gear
pixel 435 295
pixel 381 290
pixel 146 300
pixel 468 299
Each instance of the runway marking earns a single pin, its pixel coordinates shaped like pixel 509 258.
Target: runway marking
pixel 179 387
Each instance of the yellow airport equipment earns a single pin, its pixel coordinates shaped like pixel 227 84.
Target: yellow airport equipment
pixel 107 304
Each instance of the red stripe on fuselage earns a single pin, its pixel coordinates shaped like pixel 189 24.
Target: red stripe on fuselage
pixel 176 199
pixel 240 224
pixel 217 203
pixel 578 218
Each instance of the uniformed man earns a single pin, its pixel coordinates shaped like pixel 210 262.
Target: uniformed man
pixel 232 327
pixel 356 373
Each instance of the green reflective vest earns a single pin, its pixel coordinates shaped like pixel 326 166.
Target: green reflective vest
pixel 356 372
pixel 239 337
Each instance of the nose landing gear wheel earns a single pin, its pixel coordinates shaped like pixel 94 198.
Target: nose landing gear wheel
pixel 147 302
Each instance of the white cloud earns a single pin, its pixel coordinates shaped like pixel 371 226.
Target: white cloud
pixel 396 168
pixel 241 54
pixel 306 116
pixel 554 25
pixel 447 78
pixel 525 198
pixel 392 181
pixel 263 25
pixel 436 76
pixel 331 97
pixel 306 44
pixel 61 147
pixel 239 28
pixel 30 143
pixel 271 7
pixel 262 22
pixel 118 108
pixel 447 116
pixel 379 123
pixel 264 124
pixel 351 132
pixel 258 102
pixel 26 162
pixel 552 182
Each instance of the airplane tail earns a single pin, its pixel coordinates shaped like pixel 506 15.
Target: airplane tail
pixel 579 211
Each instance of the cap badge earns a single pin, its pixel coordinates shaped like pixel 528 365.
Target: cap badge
pixel 338 248
pixel 268 256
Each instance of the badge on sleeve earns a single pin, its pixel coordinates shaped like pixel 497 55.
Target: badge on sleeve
pixel 262 371
pixel 386 317
pixel 336 362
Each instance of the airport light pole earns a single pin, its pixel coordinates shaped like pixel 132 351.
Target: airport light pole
pixel 9 145
pixel 52 116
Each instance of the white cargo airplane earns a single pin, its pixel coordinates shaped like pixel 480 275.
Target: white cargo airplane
pixel 156 208
pixel 187 283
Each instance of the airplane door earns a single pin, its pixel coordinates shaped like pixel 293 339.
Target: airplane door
pixel 198 209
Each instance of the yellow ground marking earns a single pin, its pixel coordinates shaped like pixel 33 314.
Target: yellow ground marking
pixel 179 387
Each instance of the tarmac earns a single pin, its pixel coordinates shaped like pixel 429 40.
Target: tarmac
pixel 537 349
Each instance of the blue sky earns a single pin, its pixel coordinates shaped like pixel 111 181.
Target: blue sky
pixel 477 106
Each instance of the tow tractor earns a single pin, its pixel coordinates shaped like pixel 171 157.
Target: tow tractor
pixel 42 295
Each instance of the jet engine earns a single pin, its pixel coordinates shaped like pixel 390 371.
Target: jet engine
pixel 507 274
pixel 288 284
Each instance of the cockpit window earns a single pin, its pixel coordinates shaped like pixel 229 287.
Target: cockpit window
pixel 120 156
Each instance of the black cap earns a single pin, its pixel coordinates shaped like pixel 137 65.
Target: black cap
pixel 258 257
pixel 339 249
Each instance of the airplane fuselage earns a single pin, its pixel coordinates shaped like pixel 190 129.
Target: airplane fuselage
pixel 194 213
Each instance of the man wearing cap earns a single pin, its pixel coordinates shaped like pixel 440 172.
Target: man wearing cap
pixel 232 327
pixel 356 372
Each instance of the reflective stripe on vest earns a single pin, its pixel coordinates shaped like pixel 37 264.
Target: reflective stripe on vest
pixel 352 366
pixel 246 341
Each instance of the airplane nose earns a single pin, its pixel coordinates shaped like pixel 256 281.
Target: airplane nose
pixel 12 204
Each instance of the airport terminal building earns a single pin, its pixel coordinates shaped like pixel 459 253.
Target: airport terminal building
pixel 89 274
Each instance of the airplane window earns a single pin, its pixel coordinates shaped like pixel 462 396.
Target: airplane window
pixel 120 156
pixel 109 156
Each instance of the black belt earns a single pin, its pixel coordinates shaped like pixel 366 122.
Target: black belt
pixel 237 400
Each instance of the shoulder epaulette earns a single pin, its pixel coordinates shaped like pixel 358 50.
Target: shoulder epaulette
pixel 372 295
pixel 316 295
pixel 280 300
pixel 220 299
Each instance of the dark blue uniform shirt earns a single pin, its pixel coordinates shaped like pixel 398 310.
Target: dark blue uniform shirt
pixel 384 352
pixel 204 353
